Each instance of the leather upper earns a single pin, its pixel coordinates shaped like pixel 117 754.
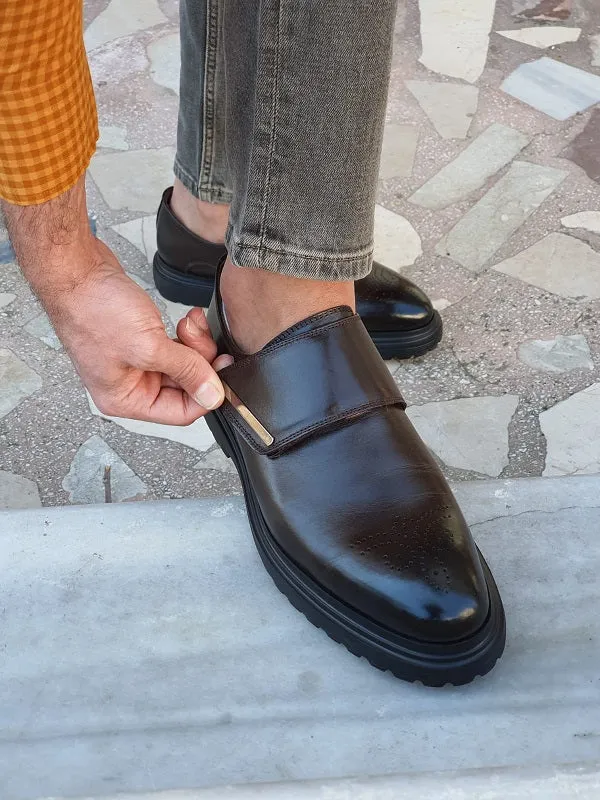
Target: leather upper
pixel 385 300
pixel 340 396
pixel 181 248
pixel 360 505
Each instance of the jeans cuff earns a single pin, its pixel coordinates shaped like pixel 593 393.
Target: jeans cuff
pixel 311 266
pixel 210 194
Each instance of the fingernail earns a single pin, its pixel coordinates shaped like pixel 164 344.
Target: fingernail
pixel 196 328
pixel 209 396
pixel 202 321
pixel 223 361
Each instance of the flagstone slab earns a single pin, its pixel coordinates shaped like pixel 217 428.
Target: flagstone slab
pixel 141 233
pixel 42 329
pixel 559 264
pixel 398 151
pixel 495 218
pixel 553 87
pixel 134 180
pixel 165 61
pixel 196 435
pixel 98 475
pixel 543 37
pixel 588 220
pixel 572 431
pixel 113 137
pixel 450 107
pixel 487 154
pixel 455 36
pixel 17 491
pixel 397 243
pixel 121 18
pixel 561 354
pixel 6 298
pixel 17 381
pixel 469 433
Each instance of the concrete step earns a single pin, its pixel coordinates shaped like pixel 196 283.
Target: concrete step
pixel 144 649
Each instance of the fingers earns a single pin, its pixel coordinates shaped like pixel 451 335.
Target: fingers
pixel 193 331
pixel 190 370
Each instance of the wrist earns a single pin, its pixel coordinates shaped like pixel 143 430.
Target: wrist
pixel 54 245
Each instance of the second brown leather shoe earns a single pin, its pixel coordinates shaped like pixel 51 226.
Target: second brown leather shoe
pixel 350 513
pixel 398 315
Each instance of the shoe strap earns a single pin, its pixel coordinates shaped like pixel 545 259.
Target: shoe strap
pixel 307 385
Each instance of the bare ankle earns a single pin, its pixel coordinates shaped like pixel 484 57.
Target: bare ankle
pixel 208 220
pixel 262 304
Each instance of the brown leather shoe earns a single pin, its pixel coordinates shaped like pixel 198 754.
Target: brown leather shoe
pixel 350 513
pixel 398 315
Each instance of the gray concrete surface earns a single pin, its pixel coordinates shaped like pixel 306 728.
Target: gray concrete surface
pixel 562 783
pixel 145 649
pixel 489 242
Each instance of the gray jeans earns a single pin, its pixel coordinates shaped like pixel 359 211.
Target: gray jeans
pixel 281 114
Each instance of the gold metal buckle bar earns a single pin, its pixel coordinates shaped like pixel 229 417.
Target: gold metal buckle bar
pixel 248 417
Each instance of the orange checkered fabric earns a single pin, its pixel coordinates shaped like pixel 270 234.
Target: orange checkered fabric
pixel 48 121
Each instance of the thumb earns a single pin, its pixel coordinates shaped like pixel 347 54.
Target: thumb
pixel 192 372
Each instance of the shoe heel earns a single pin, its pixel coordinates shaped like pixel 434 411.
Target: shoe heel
pixel 217 431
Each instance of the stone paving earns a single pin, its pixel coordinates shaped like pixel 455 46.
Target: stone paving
pixel 489 199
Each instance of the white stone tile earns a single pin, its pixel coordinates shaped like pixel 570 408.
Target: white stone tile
pixel 18 492
pixel 120 18
pixel 118 60
pixel 441 303
pixel 17 381
pixel 493 220
pixel 397 244
pixel 398 152
pixel 487 154
pixel 595 48
pixel 449 106
pixel 89 482
pixel 557 89
pixel 41 328
pixel 470 433
pixel 218 461
pixel 113 137
pixel 6 299
pixel 141 233
pixel 134 180
pixel 588 220
pixel 543 37
pixel 455 36
pixel 572 431
pixel 165 60
pixel 559 264
pixel 561 354
pixel 197 435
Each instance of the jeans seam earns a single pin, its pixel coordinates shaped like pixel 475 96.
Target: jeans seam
pixel 210 194
pixel 319 256
pixel 208 111
pixel 273 131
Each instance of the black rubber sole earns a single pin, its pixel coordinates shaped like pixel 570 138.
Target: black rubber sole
pixel 432 663
pixel 194 290
pixel 191 290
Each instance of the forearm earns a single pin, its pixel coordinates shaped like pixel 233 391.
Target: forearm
pixel 53 242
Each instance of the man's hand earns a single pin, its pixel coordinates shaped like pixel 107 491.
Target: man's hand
pixel 109 326
pixel 116 338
